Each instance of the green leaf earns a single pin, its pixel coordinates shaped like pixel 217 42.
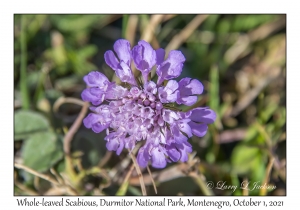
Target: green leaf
pixel 29 122
pixel 41 151
pixel 244 158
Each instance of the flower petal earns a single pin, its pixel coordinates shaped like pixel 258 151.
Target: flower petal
pixel 188 100
pixel 95 79
pixel 203 115
pixel 122 48
pixel 144 56
pixel 184 149
pixel 169 93
pixel 111 60
pixel 95 99
pixel 169 116
pixel 125 74
pixel 198 129
pixel 141 158
pixel 171 67
pixel 150 87
pixel 160 56
pixel 172 152
pixel 158 158
pixel 92 121
pixel 112 145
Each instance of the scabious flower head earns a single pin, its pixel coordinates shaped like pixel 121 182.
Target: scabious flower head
pixel 144 110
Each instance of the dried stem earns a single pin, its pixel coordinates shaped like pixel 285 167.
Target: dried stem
pixel 244 41
pixel 245 189
pixel 43 176
pixel 153 183
pixel 25 189
pixel 138 170
pixel 263 191
pixel 69 189
pixel 63 100
pixel 105 159
pixel 185 33
pixel 150 29
pixel 131 28
pixel 69 136
pixel 59 179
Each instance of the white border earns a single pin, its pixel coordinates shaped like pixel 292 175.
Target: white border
pixel 8 8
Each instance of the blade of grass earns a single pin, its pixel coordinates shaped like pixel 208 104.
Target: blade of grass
pixel 124 25
pixel 23 73
pixel 123 189
pixel 213 94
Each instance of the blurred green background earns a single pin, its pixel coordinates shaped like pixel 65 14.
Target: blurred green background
pixel 240 59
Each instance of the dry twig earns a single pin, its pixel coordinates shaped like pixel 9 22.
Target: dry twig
pixel 70 190
pixel 185 33
pixel 153 183
pixel 69 136
pixel 263 191
pixel 138 170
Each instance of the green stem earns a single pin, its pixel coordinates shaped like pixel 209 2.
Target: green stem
pixel 23 73
pixel 203 186
pixel 124 25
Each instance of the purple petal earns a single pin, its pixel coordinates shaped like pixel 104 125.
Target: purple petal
pixel 122 48
pixel 180 139
pixel 111 60
pixel 173 152
pixel 171 86
pixel 160 56
pixel 187 88
pixel 150 87
pixel 171 67
pixel 135 92
pixel 142 161
pixel 188 101
pixel 165 97
pixel 168 93
pixel 158 158
pixel 125 74
pixel 95 79
pixel 87 95
pixel 144 56
pixel 116 92
pixel 121 146
pixel 146 112
pixel 96 91
pixel 198 129
pixel 184 127
pixel 112 145
pixel 92 121
pixel 169 116
pixel 204 115
pixel 97 127
pixel 184 149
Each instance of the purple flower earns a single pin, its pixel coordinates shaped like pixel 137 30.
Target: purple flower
pixel 144 58
pixel 146 112
pixel 171 67
pixel 188 89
